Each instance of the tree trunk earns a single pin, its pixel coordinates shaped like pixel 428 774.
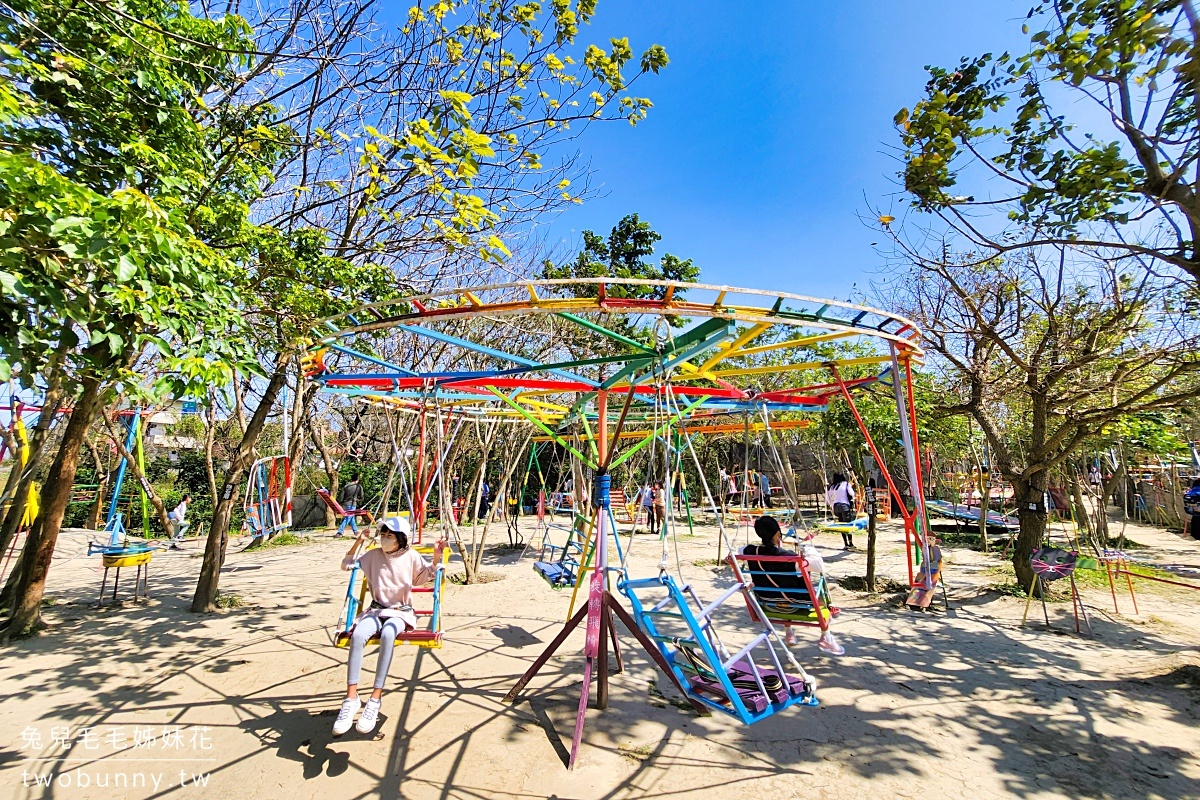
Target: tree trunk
pixel 93 520
pixel 1083 522
pixel 499 494
pixel 469 562
pixel 210 436
pixel 318 437
pixel 1107 489
pixel 239 407
pixel 39 547
pixel 1033 525
pixel 205 599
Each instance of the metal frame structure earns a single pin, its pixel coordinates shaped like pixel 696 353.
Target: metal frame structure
pixel 714 353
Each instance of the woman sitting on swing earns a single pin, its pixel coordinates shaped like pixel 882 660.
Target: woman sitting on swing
pixel 783 575
pixel 391 570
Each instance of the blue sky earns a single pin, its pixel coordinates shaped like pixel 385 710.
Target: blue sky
pixel 771 129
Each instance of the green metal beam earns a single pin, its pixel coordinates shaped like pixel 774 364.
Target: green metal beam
pixel 523 412
pixel 657 431
pixel 591 439
pixel 603 331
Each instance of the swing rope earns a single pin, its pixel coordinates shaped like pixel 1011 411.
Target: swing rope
pixel 793 496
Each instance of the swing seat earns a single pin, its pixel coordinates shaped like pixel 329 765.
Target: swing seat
pixel 336 507
pixel 920 595
pixel 779 691
pixel 807 604
pixel 620 505
pixel 419 638
pixel 720 682
pixel 559 564
pixel 784 611
pixel 858 526
pixel 118 560
pixel 554 574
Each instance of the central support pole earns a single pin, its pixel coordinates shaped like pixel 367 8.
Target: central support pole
pixel 601 605
pixel 601 491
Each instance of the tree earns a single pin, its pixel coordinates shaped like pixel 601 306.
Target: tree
pixel 292 283
pixel 1044 350
pixel 623 255
pixel 419 154
pixel 1091 138
pixel 109 211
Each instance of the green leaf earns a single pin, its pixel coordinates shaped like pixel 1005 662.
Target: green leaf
pixel 126 269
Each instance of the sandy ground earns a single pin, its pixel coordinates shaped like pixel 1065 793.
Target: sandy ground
pixel 964 703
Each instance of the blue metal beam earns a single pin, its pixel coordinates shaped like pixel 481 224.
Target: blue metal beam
pixel 489 351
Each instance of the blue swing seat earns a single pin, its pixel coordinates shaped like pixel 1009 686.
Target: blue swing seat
pixel 734 684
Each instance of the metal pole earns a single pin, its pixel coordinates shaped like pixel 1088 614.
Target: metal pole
pixel 129 440
pixel 914 477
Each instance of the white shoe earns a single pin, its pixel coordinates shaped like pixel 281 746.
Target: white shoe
pixel 345 717
pixel 370 716
pixel 828 644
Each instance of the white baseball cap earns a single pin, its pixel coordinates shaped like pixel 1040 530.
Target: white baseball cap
pixel 395 525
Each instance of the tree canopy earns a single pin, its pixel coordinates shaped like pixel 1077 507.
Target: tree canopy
pixel 1090 138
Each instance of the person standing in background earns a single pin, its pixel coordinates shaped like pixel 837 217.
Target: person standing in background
pixel 179 523
pixel 840 497
pixel 764 488
pixel 351 497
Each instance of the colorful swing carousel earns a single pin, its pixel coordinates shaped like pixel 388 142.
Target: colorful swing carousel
pixel 605 368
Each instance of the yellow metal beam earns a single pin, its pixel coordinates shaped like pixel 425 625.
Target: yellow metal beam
pixel 731 349
pixel 803 340
pixel 807 365
pixel 736 427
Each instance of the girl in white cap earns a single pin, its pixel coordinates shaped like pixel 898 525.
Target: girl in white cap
pixel 391 570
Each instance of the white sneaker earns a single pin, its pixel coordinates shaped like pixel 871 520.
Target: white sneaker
pixel 370 716
pixel 345 717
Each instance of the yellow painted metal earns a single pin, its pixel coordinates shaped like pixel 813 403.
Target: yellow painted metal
pixel 738 427
pixel 116 561
pixel 803 340
pixel 732 348
pixel 807 365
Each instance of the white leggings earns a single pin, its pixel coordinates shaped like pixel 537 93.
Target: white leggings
pixel 364 629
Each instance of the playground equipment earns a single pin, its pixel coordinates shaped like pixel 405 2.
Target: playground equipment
pixel 965 513
pixel 115 524
pixel 688 375
pixel 560 565
pixel 342 513
pixel 1116 566
pixel 736 684
pixel 268 499
pixel 1051 564
pixel 787 598
pixel 129 557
